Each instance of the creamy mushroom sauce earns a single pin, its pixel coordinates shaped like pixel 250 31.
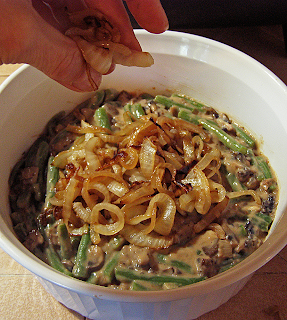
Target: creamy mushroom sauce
pixel 194 254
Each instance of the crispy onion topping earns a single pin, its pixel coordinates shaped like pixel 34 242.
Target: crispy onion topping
pixel 138 181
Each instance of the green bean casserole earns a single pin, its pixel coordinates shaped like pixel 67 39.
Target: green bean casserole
pixel 136 192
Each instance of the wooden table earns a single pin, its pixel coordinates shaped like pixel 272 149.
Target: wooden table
pixel 263 298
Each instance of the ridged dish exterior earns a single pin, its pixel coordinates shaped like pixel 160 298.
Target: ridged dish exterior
pixel 186 309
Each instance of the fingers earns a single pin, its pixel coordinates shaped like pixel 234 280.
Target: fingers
pixel 30 39
pixel 60 59
pixel 115 11
pixel 149 14
pixel 55 12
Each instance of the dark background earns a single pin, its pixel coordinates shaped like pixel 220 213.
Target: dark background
pixel 185 14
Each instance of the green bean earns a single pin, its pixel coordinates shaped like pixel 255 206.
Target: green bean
pixel 224 137
pixel 244 136
pixel 262 220
pixel 265 169
pixel 127 275
pixel 138 285
pixel 101 118
pixel 162 258
pixel 188 116
pixel 41 157
pixel 135 109
pixel 97 99
pixel 65 241
pixel 234 183
pixel 116 242
pixel 55 262
pixel 168 103
pixel 37 157
pixel 243 231
pixel 93 278
pixel 80 269
pixel 106 274
pixel 226 267
pixel 109 267
pixel 138 110
pixel 52 179
pixel 194 103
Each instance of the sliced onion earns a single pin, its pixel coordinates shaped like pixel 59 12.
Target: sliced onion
pixel 158 174
pixel 134 194
pixel 190 127
pixel 136 214
pixel 198 146
pixel 87 129
pixel 111 138
pixel 173 159
pixel 214 213
pixel 203 199
pixel 188 150
pixel 147 158
pixel 130 158
pixel 109 228
pixel 165 213
pixel 214 154
pixel 71 192
pixel 217 191
pixel 81 212
pixel 102 174
pixel 237 194
pixel 117 188
pixel 217 228
pixel 147 129
pixel 93 161
pixel 91 191
pixel 187 201
pixel 90 199
pixel 136 236
pixel 136 58
pixel 98 58
pixel 87 34
pixel 135 175
pixel 60 160
pixel 79 231
pixel 115 47
pixel 95 236
pixel 56 202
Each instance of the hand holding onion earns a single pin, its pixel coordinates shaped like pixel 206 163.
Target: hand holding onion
pixel 33 32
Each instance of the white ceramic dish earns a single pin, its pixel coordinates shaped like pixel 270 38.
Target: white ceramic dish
pixel 209 71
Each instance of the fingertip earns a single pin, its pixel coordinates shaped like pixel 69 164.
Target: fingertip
pixel 149 14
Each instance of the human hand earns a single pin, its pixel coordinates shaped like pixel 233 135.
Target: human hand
pixel 30 32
